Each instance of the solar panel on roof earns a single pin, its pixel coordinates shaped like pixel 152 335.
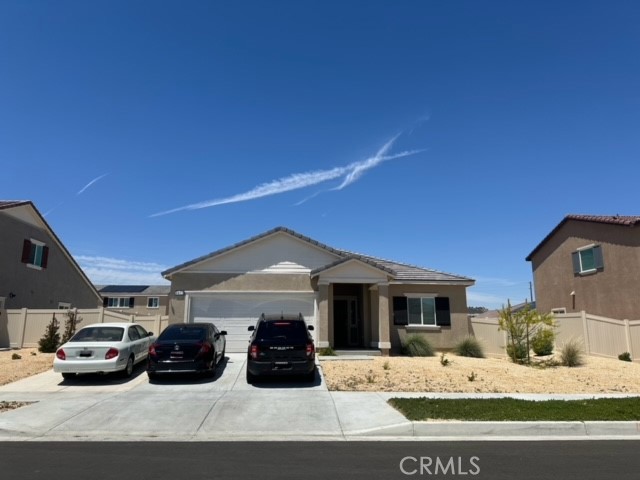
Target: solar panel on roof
pixel 125 288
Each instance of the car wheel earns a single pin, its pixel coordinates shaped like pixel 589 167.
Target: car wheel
pixel 128 370
pixel 251 378
pixel 68 376
pixel 311 376
pixel 212 371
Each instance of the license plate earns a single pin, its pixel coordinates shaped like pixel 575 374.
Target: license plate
pixel 85 354
pixel 281 363
pixel 177 354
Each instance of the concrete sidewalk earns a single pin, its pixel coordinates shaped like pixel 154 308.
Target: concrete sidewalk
pixel 227 408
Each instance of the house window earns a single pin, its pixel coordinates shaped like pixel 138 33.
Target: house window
pixel 119 302
pixel 35 253
pixel 421 311
pixel 587 259
pixel 64 306
pixel 559 311
pixel 153 302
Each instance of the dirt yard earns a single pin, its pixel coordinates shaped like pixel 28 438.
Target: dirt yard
pixel 32 362
pixel 484 375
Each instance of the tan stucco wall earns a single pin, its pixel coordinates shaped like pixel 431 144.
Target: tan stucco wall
pixel 442 337
pixel 612 292
pixel 59 282
pixel 231 282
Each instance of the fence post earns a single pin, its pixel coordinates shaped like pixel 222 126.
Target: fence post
pixel 132 318
pixel 156 325
pixel 101 315
pixel 23 321
pixel 585 332
pixel 627 336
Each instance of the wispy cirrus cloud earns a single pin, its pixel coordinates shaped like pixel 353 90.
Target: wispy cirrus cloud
pixel 296 181
pixel 105 270
pixel 81 191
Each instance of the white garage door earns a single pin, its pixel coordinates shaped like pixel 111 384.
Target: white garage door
pixel 235 312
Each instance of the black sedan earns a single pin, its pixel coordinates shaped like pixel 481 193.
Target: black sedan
pixel 187 348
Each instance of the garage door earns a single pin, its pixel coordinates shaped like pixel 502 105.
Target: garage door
pixel 235 312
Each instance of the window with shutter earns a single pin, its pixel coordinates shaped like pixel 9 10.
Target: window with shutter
pixel 587 260
pixel 35 253
pixel 425 311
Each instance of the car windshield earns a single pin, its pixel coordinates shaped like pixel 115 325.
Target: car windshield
pixel 282 329
pixel 98 334
pixel 183 333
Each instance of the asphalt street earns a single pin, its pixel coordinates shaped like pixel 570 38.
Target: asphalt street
pixel 588 460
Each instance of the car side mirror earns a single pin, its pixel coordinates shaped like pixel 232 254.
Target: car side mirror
pixel 223 332
pixel 251 328
pixel 149 334
pixel 310 327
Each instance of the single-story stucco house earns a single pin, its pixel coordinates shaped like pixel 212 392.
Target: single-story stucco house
pixel 353 301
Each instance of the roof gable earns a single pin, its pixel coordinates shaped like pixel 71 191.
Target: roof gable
pixel 615 220
pixel 277 251
pixel 352 269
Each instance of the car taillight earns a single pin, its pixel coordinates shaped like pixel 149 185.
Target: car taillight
pixel 111 353
pixel 152 350
pixel 310 349
pixel 61 355
pixel 204 347
pixel 254 352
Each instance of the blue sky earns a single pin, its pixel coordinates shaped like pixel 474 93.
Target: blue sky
pixel 451 135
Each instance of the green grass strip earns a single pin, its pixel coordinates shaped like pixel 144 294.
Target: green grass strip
pixel 509 409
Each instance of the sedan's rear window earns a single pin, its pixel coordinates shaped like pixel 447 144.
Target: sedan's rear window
pixel 282 329
pixel 183 333
pixel 98 334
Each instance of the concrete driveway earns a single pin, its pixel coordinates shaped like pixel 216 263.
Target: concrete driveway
pixel 226 407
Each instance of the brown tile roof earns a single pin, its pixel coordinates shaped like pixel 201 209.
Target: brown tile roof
pixel 622 220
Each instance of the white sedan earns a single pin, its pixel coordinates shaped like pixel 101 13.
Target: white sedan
pixel 103 348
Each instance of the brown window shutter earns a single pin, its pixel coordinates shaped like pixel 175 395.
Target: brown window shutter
pixel 131 301
pixel 400 312
pixel 45 257
pixel 26 251
pixel 105 302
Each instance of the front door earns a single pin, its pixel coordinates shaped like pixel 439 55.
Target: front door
pixel 346 322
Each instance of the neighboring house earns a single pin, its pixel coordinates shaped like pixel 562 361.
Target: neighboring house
pixel 496 313
pixel 135 299
pixel 590 263
pixel 354 301
pixel 36 270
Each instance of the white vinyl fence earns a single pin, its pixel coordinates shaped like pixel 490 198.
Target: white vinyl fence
pixel 25 327
pixel 605 337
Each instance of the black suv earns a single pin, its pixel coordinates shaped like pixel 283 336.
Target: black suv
pixel 281 345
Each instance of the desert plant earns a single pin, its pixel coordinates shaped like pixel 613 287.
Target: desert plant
pixel 327 352
pixel 571 353
pixel 417 346
pixel 517 352
pixel 51 338
pixel 469 347
pixel 472 377
pixel 33 354
pixel 386 365
pixel 370 377
pixel 542 341
pixel 70 324
pixel 625 357
pixel 520 326
pixel 444 361
pixel 16 356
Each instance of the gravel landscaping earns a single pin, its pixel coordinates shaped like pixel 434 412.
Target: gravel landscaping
pixel 480 375
pixel 30 363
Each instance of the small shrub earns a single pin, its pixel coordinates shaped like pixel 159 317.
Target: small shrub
pixel 542 342
pixel 33 354
pixel 472 377
pixel 625 357
pixel 386 365
pixel 16 356
pixel 469 347
pixel 327 352
pixel 417 346
pixel 51 338
pixel 517 352
pixel 370 377
pixel 444 361
pixel 571 354
pixel 70 325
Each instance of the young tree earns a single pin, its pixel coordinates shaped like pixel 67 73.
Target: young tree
pixel 70 324
pixel 51 338
pixel 520 326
